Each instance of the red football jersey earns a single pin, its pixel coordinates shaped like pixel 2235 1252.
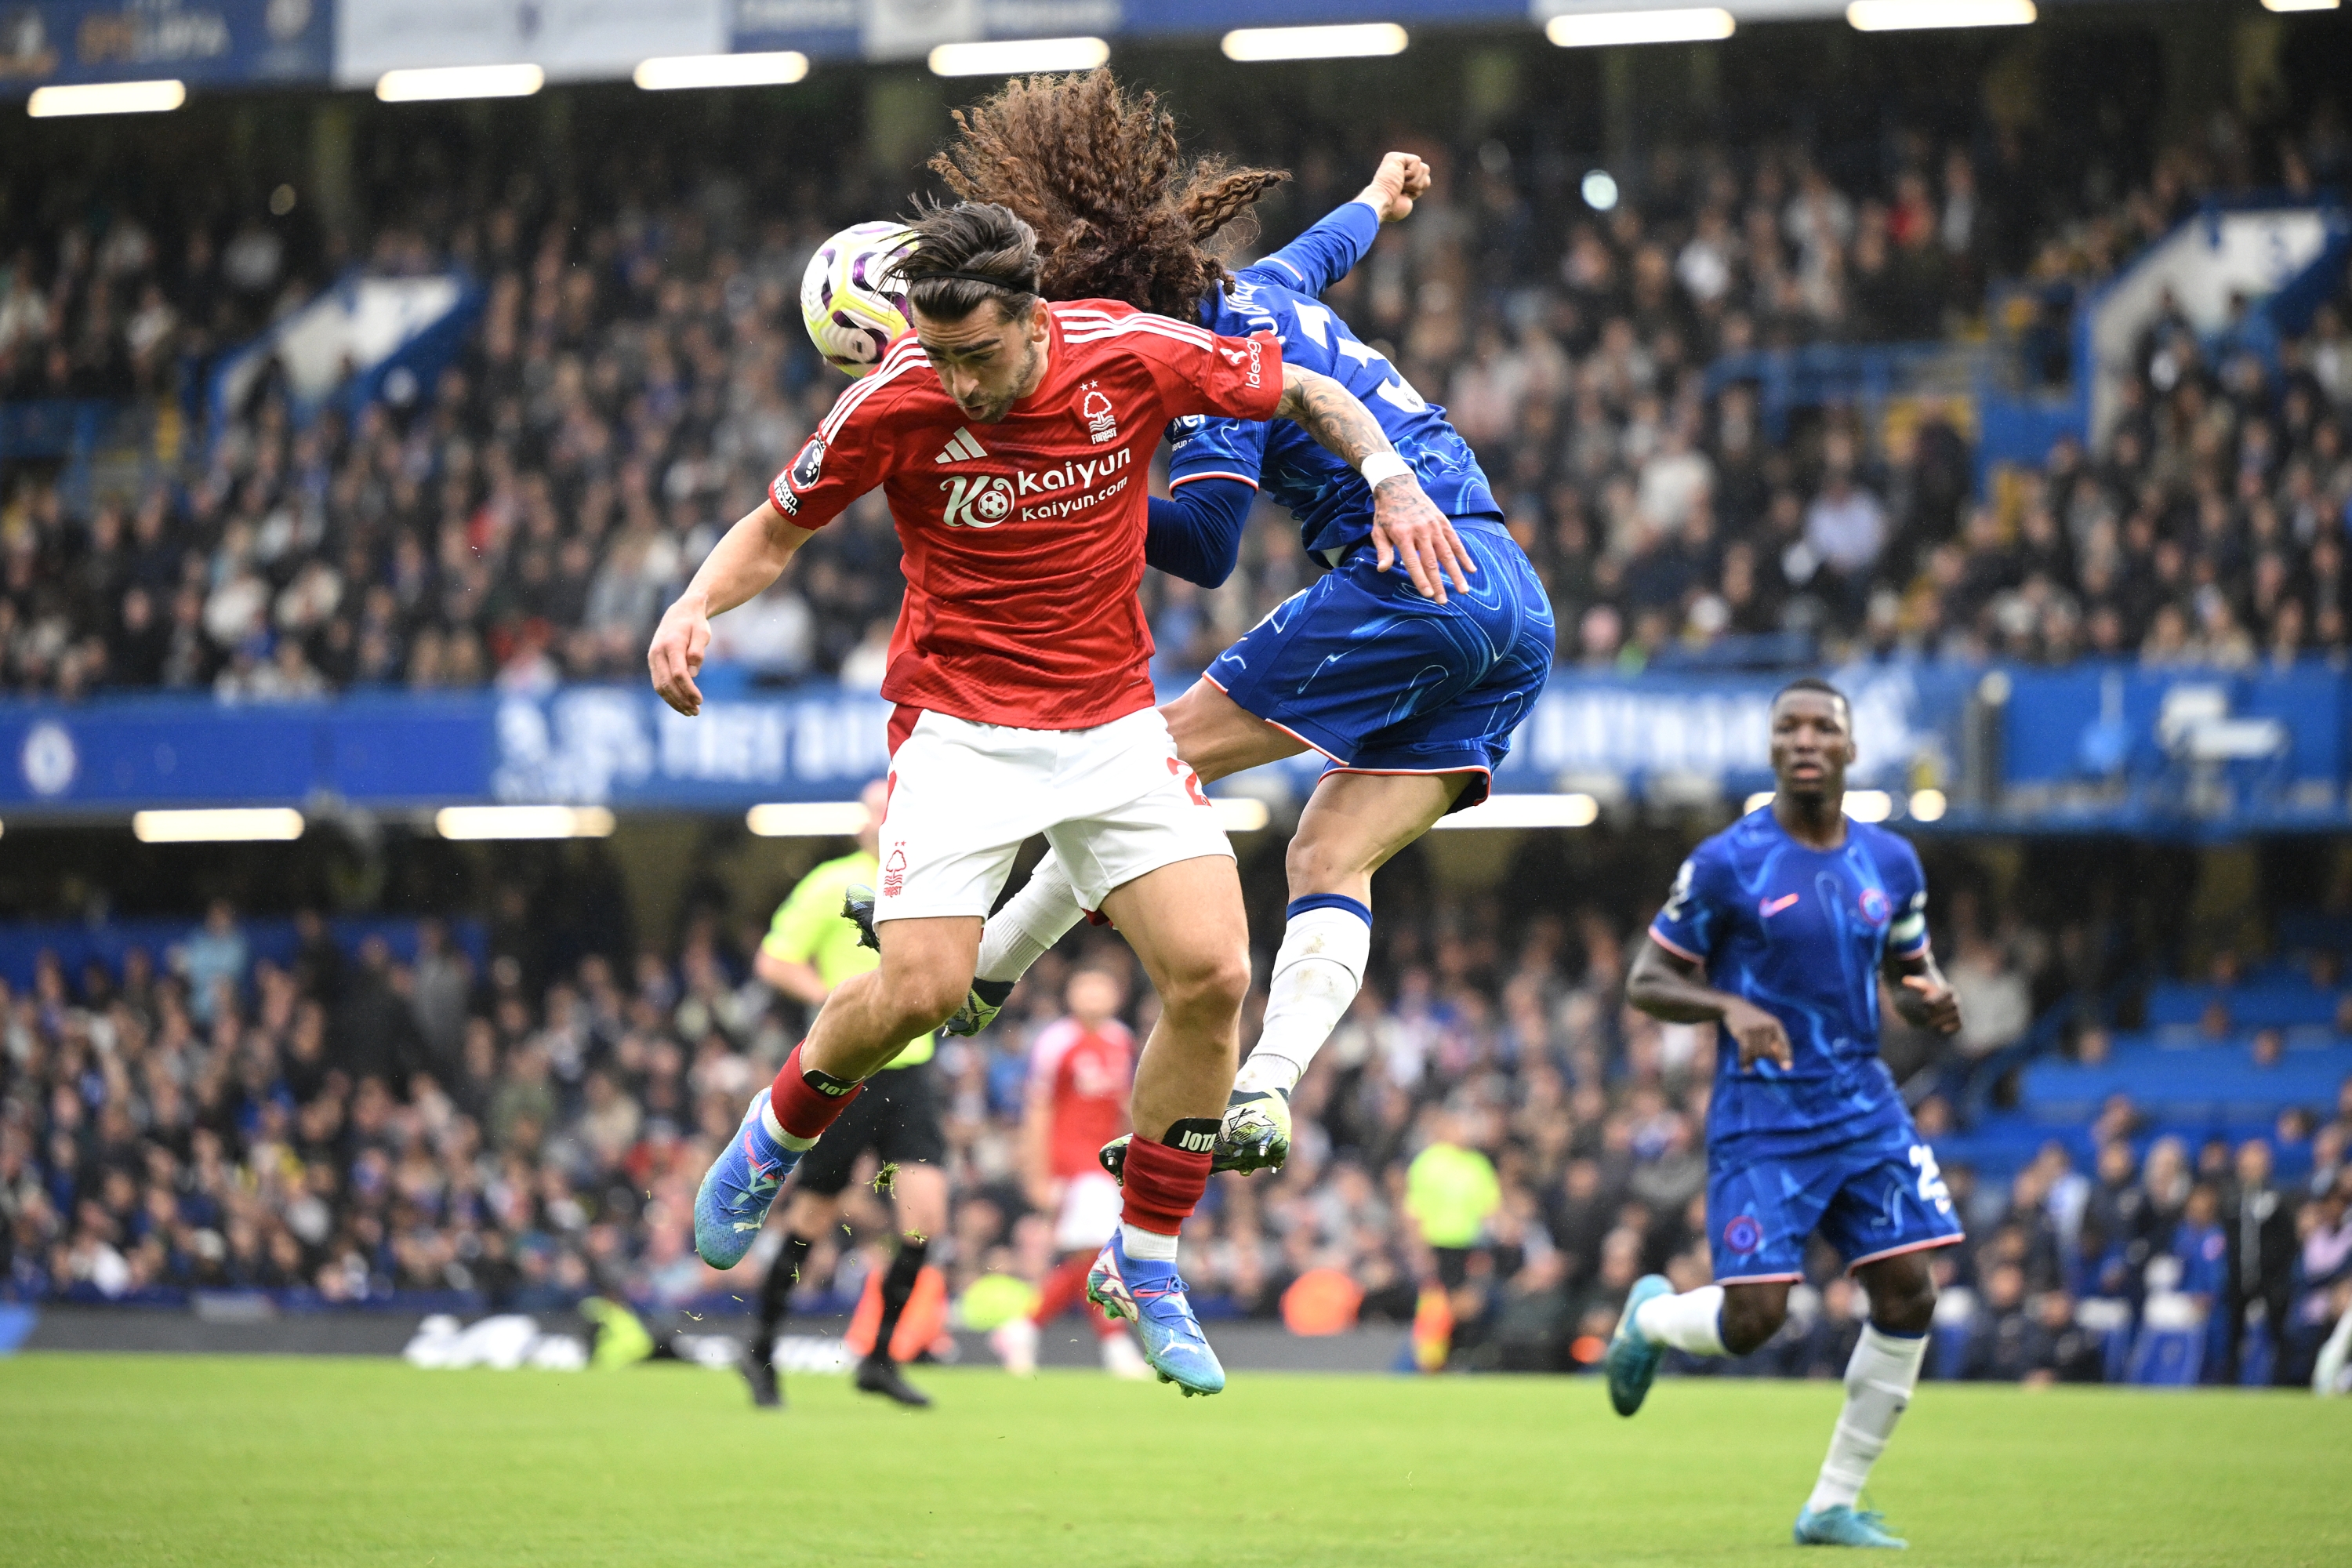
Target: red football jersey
pixel 1024 540
pixel 1085 1074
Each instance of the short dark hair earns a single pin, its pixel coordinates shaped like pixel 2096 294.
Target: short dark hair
pixel 967 256
pixel 1815 683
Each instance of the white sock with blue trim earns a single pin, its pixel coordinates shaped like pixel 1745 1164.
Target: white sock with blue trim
pixel 1878 1383
pixel 1318 970
pixel 1691 1321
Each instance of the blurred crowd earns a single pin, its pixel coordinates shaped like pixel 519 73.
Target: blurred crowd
pixel 1490 1137
pixel 637 371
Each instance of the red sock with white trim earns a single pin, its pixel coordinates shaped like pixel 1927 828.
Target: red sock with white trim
pixel 1164 1185
pixel 803 1101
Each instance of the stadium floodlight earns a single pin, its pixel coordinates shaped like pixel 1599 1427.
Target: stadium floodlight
pixel 2301 5
pixel 1241 813
pixel 1528 811
pixel 1593 29
pixel 523 822
pixel 1599 190
pixel 1869 805
pixel 1018 57
pixel 1905 15
pixel 1336 42
pixel 1928 805
pixel 106 97
pixel 779 68
pixel 807 819
pixel 441 82
pixel 239 824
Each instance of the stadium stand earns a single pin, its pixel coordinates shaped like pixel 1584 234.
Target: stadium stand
pixel 631 380
pixel 379 1114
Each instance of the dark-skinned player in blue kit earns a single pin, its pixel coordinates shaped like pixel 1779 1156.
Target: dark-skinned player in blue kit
pixel 1777 931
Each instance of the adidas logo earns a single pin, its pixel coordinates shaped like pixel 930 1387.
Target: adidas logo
pixel 962 448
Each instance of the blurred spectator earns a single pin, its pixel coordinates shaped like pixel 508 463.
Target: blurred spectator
pixel 635 379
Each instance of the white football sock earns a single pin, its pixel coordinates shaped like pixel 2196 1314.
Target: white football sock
pixel 1691 1321
pixel 1146 1245
pixel 1878 1383
pixel 1029 924
pixel 1316 973
pixel 776 1130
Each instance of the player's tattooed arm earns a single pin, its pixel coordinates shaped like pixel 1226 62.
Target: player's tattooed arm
pixel 1406 525
pixel 1924 997
pixel 746 559
pixel 1669 986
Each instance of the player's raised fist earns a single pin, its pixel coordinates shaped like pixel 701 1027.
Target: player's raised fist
pixel 1402 180
pixel 676 655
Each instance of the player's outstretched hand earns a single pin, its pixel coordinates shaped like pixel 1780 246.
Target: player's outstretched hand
pixel 1930 1005
pixel 1760 1036
pixel 1408 527
pixel 1402 180
pixel 676 657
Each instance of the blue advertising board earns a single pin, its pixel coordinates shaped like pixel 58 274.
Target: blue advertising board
pixel 619 746
pixel 201 42
pixel 2087 749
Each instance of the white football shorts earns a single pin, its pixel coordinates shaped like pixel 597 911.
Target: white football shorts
pixel 1089 1212
pixel 1115 802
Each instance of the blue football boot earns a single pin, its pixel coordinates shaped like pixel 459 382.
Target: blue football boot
pixel 1632 1359
pixel 738 1188
pixel 1152 1296
pixel 1840 1525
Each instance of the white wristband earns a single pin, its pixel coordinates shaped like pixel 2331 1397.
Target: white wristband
pixel 1381 467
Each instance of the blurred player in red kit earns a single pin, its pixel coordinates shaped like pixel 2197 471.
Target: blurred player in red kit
pixel 1079 1069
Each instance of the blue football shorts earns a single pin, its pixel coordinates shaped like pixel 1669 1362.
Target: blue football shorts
pixel 1871 1196
pixel 1381 680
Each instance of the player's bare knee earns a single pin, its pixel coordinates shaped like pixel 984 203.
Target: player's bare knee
pixel 1207 989
pixel 1750 1321
pixel 931 1004
pixel 1314 864
pixel 1902 1298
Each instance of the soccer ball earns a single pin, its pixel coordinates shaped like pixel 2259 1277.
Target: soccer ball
pixel 851 314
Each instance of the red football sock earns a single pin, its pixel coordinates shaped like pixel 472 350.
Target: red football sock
pixel 1063 1289
pixel 1163 1186
pixel 803 1111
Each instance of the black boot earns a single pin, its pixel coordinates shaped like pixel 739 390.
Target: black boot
pixel 767 1389
pixel 877 1374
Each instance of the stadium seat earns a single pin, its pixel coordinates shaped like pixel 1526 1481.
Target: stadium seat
pixel 2169 1350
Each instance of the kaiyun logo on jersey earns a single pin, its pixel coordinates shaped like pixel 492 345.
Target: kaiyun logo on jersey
pixel 983 501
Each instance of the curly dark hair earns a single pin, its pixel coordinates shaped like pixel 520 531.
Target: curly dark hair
pixel 1097 174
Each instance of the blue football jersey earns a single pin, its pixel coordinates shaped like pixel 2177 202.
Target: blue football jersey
pixel 1802 933
pixel 1330 499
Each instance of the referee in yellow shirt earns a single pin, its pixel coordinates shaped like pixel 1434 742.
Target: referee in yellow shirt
pixel 811 947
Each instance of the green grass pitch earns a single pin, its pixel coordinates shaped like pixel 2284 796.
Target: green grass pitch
pixel 260 1461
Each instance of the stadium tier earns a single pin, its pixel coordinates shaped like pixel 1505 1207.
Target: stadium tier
pixel 584 381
